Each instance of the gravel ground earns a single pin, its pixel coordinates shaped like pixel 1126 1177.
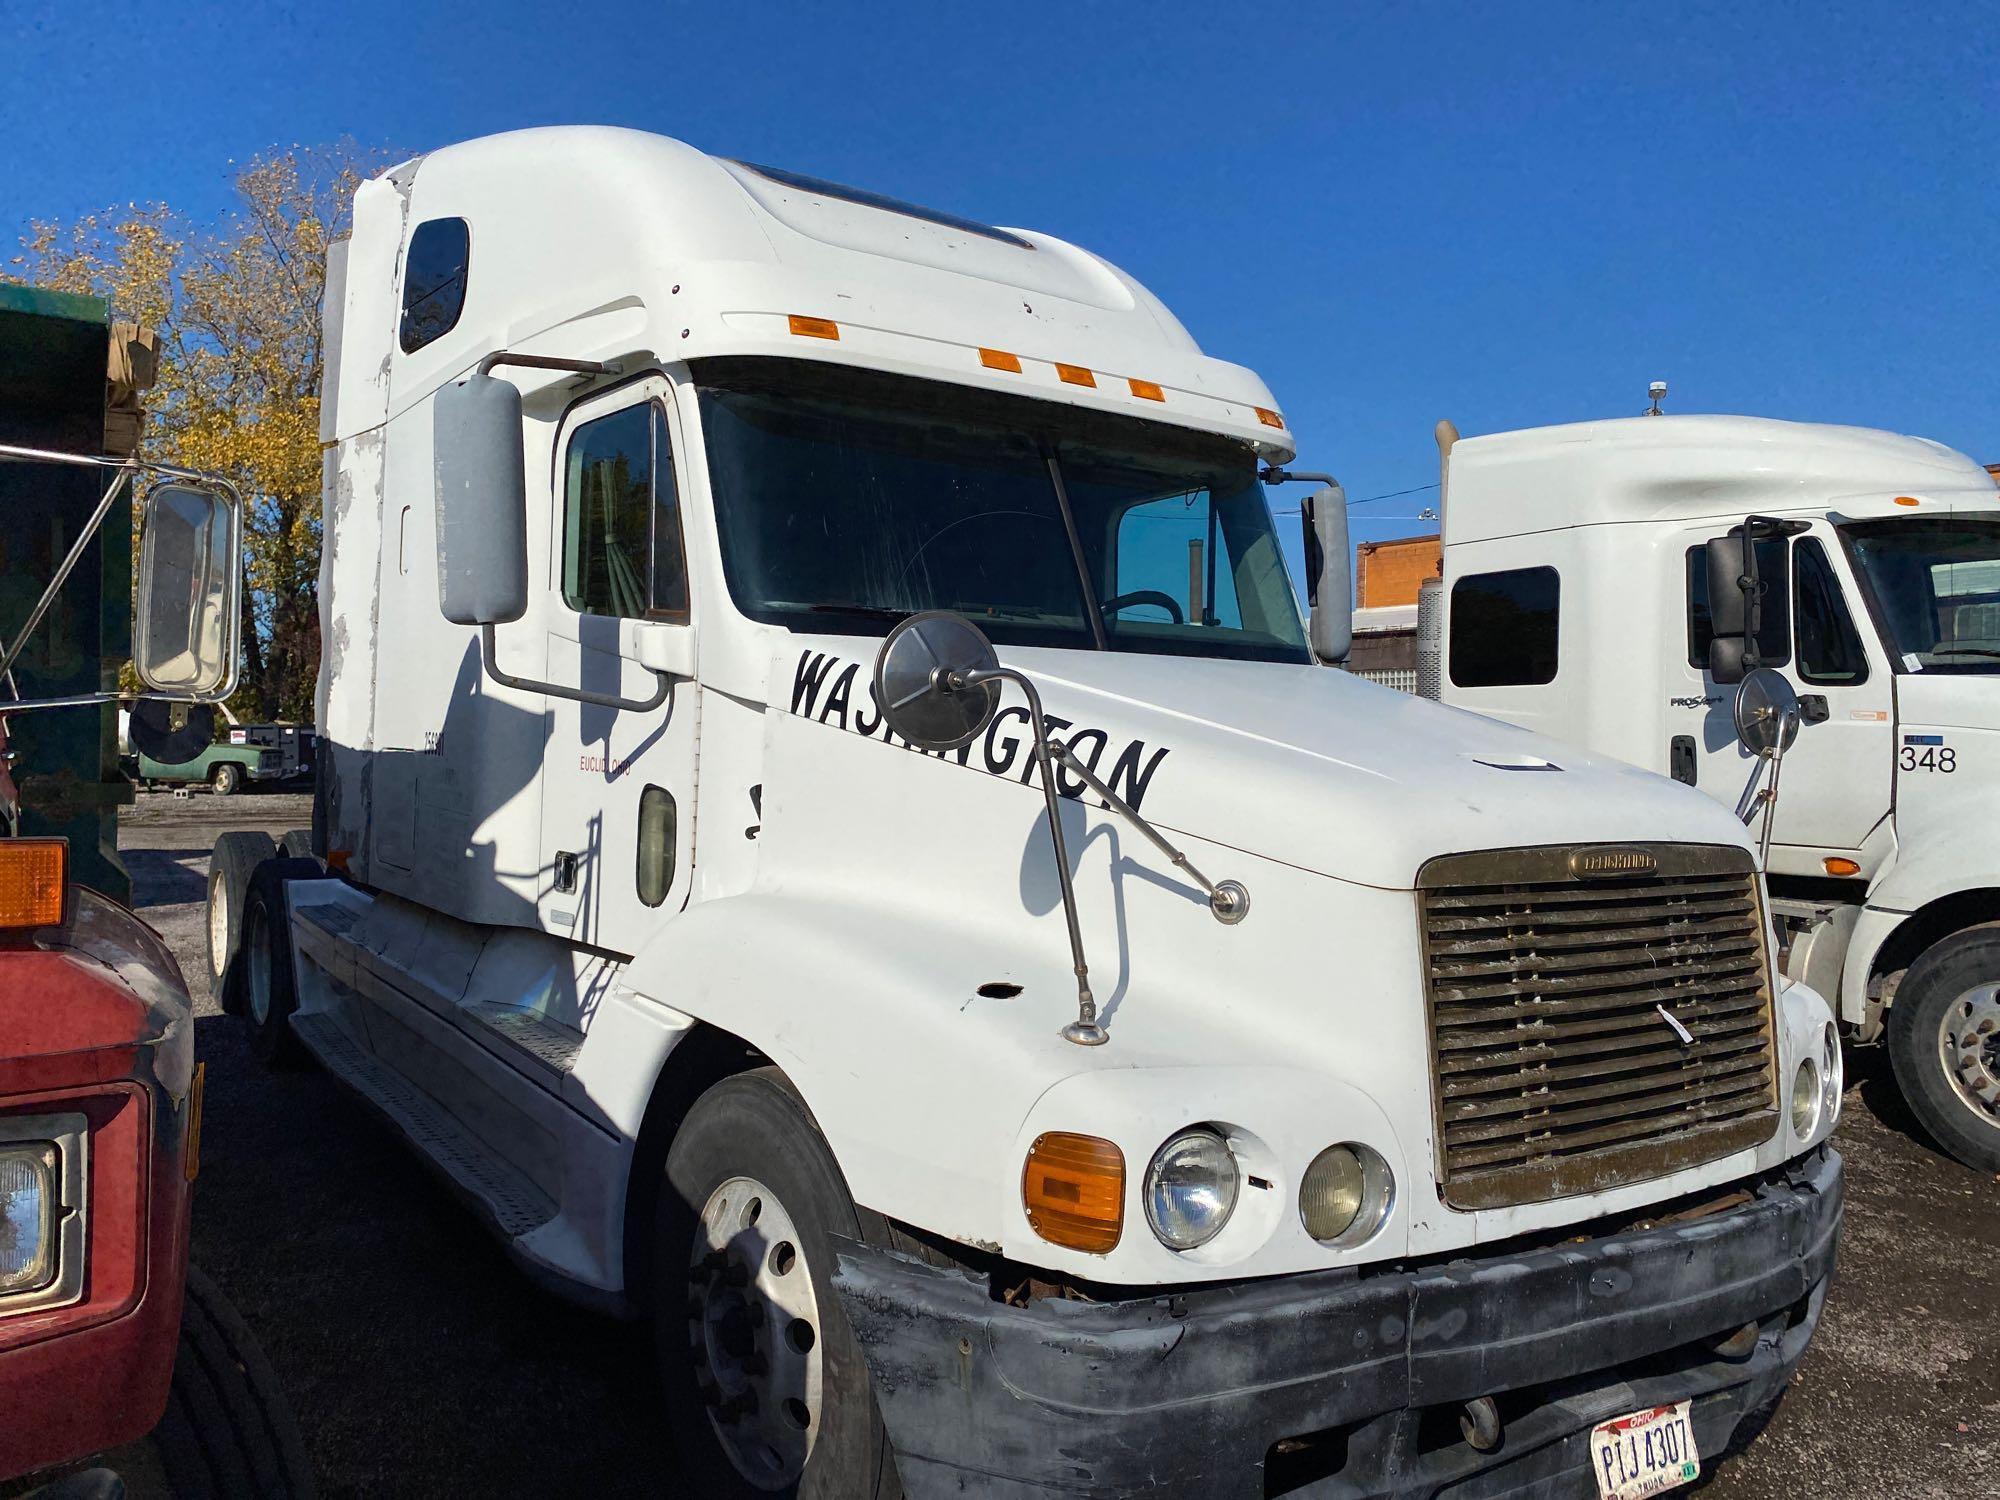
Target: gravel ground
pixel 421 1363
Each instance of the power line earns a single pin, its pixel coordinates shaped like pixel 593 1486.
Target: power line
pixel 1387 495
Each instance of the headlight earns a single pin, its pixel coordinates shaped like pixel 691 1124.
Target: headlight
pixel 1805 1098
pixel 28 1216
pixel 1835 1074
pixel 1345 1194
pixel 1191 1188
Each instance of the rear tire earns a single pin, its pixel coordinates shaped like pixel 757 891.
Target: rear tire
pixel 228 1430
pixel 297 844
pixel 751 1134
pixel 229 865
pixel 226 778
pixel 1944 1041
pixel 263 974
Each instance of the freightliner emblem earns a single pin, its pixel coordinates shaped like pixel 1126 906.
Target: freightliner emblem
pixel 1603 861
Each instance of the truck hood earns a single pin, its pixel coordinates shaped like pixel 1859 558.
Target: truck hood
pixel 1309 766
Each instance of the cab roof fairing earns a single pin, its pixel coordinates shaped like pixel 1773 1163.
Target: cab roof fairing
pixel 717 258
pixel 1684 468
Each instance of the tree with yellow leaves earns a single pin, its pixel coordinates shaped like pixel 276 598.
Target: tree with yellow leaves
pixel 237 308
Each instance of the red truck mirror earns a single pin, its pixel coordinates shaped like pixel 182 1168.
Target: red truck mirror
pixel 185 632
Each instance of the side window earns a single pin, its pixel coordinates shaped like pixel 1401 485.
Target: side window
pixel 1167 566
pixel 622 551
pixel 1774 637
pixel 434 274
pixel 1504 628
pixel 1830 653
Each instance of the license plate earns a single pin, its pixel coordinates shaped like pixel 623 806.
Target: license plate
pixel 1646 1453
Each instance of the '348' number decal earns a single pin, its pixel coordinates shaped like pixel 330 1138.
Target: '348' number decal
pixel 1930 758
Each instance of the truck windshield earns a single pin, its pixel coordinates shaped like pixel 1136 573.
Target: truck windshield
pixel 846 499
pixel 1936 588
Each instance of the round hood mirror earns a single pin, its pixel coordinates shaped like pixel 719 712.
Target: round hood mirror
pixel 1766 709
pixel 914 676
pixel 171 733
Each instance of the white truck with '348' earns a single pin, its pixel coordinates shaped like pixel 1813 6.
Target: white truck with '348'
pixel 1597 588
pixel 937 1039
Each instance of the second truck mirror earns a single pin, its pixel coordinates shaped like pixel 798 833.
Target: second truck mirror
pixel 1328 559
pixel 482 502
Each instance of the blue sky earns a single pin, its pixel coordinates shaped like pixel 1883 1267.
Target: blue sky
pixel 1504 214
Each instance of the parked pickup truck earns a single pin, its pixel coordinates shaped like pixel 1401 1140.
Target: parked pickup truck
pixel 248 753
pixel 832 840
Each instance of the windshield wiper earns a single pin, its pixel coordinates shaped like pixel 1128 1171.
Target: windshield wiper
pixel 867 611
pixel 1963 651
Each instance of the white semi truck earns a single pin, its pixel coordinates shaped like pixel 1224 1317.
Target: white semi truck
pixel 935 1036
pixel 1597 588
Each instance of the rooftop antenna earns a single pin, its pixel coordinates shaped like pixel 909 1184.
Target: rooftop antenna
pixel 1658 391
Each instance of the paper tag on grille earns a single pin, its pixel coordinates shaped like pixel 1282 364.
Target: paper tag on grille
pixel 1646 1453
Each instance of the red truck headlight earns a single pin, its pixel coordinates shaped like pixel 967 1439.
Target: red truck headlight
pixel 42 1177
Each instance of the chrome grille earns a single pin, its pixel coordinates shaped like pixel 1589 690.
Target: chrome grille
pixel 1556 1072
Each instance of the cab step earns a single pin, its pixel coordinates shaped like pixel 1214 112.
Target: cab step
pixel 493 1188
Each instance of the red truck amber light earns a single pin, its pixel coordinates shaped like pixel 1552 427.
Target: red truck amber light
pixel 32 872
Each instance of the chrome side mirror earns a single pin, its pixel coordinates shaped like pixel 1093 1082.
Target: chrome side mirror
pixel 189 617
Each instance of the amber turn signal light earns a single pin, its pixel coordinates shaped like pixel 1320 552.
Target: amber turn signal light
pixel 814 328
pixel 1833 864
pixel 1073 1187
pixel 32 873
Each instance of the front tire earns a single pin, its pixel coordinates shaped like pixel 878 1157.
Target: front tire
pixel 228 1430
pixel 1944 1041
pixel 767 1389
pixel 228 776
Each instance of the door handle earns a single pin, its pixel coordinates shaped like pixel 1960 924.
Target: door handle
pixel 1812 708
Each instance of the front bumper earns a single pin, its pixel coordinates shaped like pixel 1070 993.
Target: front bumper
pixel 1343 1383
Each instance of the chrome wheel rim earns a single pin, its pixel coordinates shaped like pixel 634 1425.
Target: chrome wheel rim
pixel 257 960
pixel 218 925
pixel 1969 1048
pixel 754 1333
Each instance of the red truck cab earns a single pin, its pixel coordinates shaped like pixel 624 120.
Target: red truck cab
pixel 100 1120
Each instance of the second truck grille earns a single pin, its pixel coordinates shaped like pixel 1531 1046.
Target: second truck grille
pixel 1556 1071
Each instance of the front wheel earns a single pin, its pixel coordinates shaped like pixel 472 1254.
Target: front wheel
pixel 262 972
pixel 228 777
pixel 767 1388
pixel 1944 1040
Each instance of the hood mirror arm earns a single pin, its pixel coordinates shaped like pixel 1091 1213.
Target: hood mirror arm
pixel 1084 1030
pixel 1229 901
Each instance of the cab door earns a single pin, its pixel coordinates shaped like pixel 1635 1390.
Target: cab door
pixel 1838 775
pixel 618 807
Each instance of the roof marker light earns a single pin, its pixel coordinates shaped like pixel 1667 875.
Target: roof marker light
pixel 1146 390
pixel 1270 418
pixel 1906 500
pixel 1075 375
pixel 1000 359
pixel 1835 864
pixel 814 328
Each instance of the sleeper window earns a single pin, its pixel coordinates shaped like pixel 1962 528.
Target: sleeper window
pixel 1504 628
pixel 622 552
pixel 434 274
